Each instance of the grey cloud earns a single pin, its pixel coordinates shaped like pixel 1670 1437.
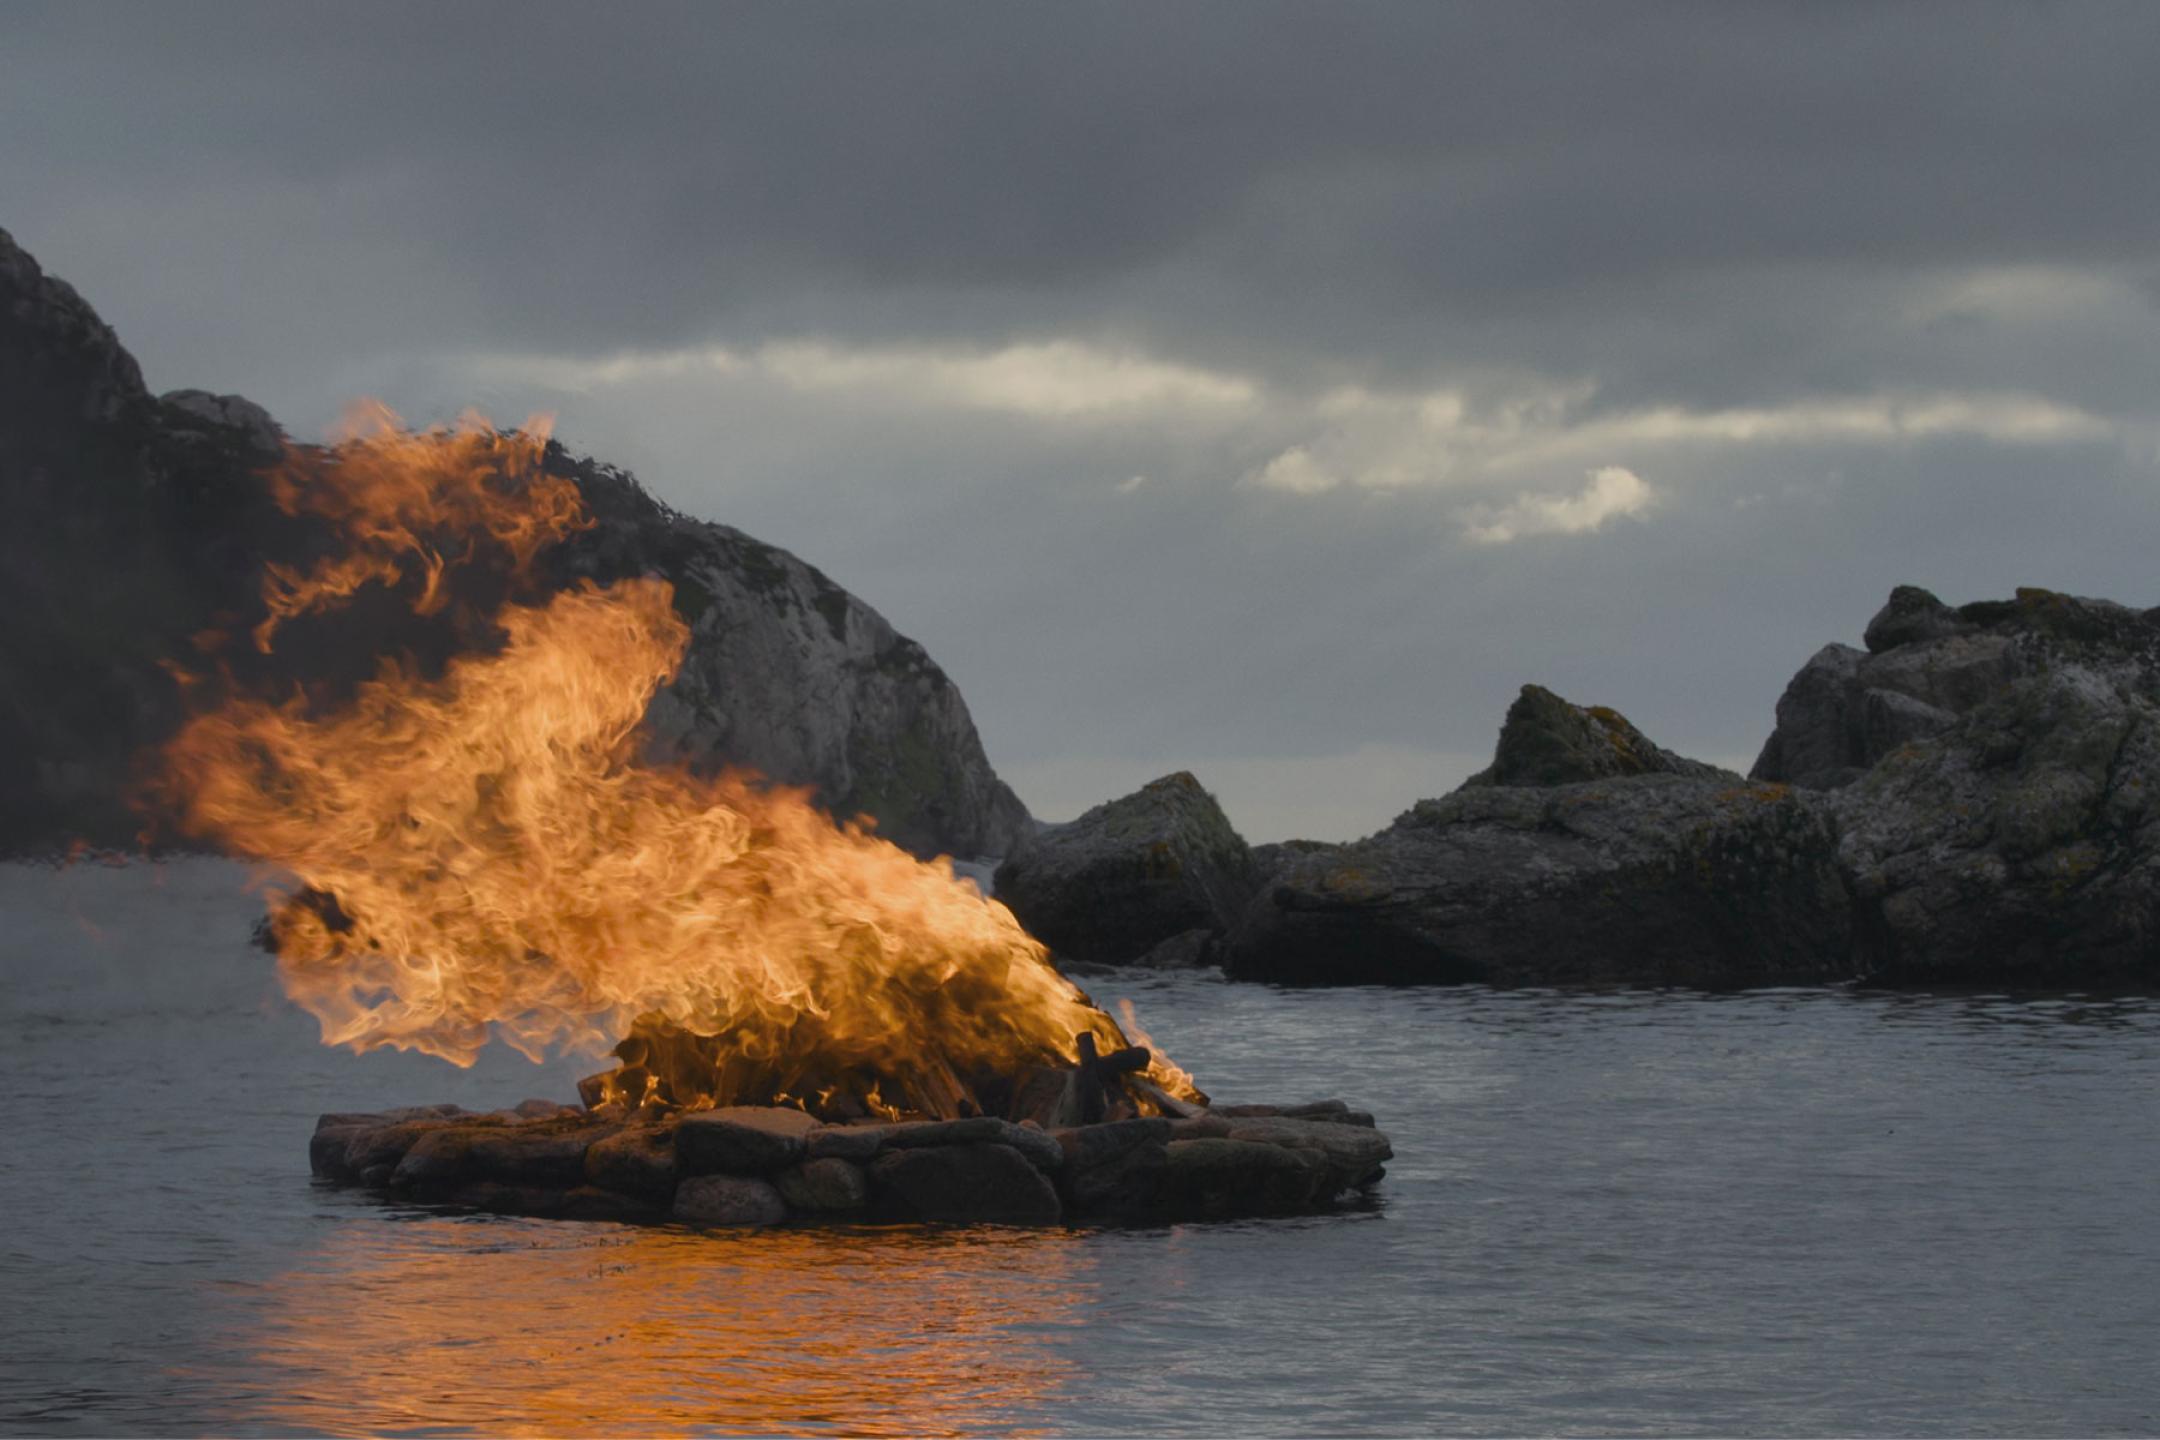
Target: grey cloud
pixel 1392 168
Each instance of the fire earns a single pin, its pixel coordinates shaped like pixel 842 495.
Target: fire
pixel 484 855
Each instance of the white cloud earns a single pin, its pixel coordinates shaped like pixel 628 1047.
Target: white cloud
pixel 1612 491
pixel 1296 472
pixel 1493 438
pixel 1053 380
pixel 1375 440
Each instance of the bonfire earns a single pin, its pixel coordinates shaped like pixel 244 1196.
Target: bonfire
pixel 485 853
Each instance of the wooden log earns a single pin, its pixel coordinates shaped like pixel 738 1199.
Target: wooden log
pixel 1099 1087
pixel 1168 1103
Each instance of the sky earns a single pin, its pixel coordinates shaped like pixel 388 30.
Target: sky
pixel 1262 390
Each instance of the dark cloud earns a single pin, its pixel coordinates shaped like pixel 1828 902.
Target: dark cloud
pixel 1642 209
pixel 617 176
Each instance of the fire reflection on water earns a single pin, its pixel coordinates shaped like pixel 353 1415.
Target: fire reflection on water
pixel 574 1329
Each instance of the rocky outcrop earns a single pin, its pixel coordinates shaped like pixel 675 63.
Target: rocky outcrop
pixel 1980 801
pixel 1547 741
pixel 1583 853
pixel 1643 878
pixel 2020 840
pixel 138 522
pixel 1138 875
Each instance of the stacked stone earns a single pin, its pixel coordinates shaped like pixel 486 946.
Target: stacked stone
pixel 761 1166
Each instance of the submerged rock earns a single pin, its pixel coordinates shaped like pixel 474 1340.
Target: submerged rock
pixel 1131 874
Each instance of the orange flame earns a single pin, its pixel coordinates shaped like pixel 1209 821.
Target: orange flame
pixel 484 854
pixel 390 492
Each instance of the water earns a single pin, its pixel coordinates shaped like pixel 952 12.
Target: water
pixel 1786 1212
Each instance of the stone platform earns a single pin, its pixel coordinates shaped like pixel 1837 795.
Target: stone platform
pixel 757 1166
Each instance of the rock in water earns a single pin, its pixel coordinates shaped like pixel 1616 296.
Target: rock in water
pixel 963 1183
pixel 2021 841
pixel 1131 874
pixel 1669 870
pixel 637 1160
pixel 1209 1178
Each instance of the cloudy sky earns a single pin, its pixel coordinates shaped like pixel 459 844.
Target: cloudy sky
pixel 1261 390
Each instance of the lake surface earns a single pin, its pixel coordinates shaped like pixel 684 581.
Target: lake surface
pixel 1792 1212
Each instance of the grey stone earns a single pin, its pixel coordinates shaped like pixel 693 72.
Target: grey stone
pixel 1927 665
pixel 728 1200
pixel 1196 949
pixel 332 1141
pixel 1911 614
pixel 1662 877
pixel 382 1146
pixel 257 433
pixel 741 1140
pixel 1816 742
pixel 827 1186
pixel 2021 845
pixel 993 1184
pixel 846 1142
pixel 637 1160
pixel 1125 1185
pixel 1130 874
pixel 1036 1145
pixel 1201 1127
pixel 539 1151
pixel 1217 1179
pixel 1352 1152
pixel 1545 740
pixel 438 1158
pixel 1890 719
pixel 1088 1146
pixel 1994 791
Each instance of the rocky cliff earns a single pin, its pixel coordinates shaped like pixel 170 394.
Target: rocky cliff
pixel 137 522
